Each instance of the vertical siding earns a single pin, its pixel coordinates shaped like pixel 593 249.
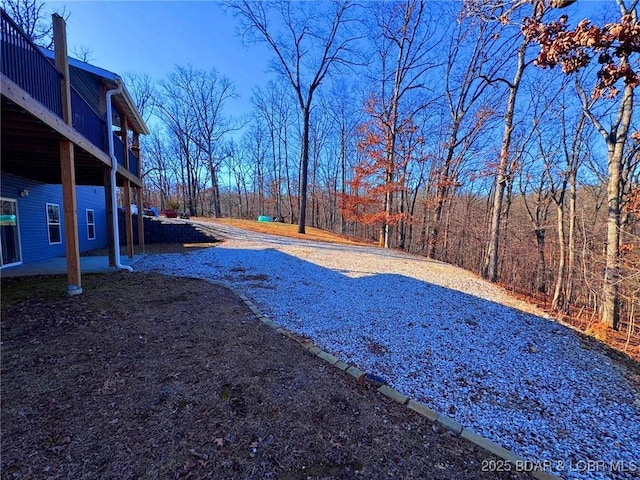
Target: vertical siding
pixel 32 216
pixel 87 86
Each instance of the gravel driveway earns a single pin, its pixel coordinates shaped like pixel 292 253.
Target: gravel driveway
pixel 444 337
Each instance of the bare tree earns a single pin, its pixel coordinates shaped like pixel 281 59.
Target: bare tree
pixel 143 91
pixel 405 42
pixel 208 94
pixel 506 159
pixel 158 172
pixel 311 43
pixel 273 105
pixel 469 108
pixel 255 144
pixel 614 45
pixel 536 196
pixel 83 53
pixel 180 120
pixel 563 174
pixel 191 107
pixel 34 19
pixel 346 116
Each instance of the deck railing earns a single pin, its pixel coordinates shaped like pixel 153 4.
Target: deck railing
pixel 133 163
pixel 24 64
pixel 118 149
pixel 87 121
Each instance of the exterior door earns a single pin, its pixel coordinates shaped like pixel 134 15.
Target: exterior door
pixel 9 234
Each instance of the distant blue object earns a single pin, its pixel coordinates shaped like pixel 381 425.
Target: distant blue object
pixel 265 218
pixel 154 211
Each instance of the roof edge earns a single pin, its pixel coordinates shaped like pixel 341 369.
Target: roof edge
pixel 109 76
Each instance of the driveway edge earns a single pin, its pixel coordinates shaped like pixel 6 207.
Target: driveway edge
pixel 512 462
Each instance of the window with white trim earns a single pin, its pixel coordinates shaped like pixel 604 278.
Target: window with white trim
pixel 53 223
pixel 91 224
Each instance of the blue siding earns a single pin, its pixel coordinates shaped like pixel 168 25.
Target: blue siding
pixel 32 216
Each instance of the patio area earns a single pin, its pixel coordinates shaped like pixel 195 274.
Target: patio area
pixel 58 266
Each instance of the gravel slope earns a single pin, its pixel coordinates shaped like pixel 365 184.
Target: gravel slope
pixel 444 337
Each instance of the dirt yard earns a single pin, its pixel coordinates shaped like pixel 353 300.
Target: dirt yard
pixel 148 376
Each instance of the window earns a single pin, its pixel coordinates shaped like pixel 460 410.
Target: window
pixel 9 235
pixel 91 225
pixel 53 222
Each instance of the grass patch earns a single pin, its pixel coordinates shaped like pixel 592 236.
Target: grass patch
pixel 44 287
pixel 19 289
pixel 287 230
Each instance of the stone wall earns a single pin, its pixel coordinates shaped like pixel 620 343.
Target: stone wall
pixel 161 230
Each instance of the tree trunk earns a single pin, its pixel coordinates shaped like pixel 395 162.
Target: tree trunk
pixel 490 270
pixel 541 266
pixel 435 228
pixel 445 237
pixel 422 235
pixel 442 187
pixel 507 202
pixel 288 176
pixel 571 244
pixel 277 162
pixel 215 193
pixel 343 174
pixel 610 315
pixel 260 179
pixel 402 226
pixel 558 297
pixel 314 171
pixel 304 167
pixel 610 290
pixel 388 207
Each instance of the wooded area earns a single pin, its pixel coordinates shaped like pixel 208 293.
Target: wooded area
pixel 498 136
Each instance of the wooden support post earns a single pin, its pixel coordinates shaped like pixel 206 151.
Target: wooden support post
pixel 140 219
pixel 124 136
pixel 67 163
pixel 127 188
pixel 69 206
pixel 108 191
pixel 128 222
pixel 62 63
pixel 136 149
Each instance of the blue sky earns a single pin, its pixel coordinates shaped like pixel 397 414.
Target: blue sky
pixel 153 36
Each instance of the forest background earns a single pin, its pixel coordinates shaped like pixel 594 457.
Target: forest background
pixel 499 136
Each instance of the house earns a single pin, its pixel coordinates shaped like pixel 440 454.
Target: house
pixel 69 137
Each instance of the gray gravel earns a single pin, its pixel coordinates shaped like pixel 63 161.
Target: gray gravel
pixel 444 337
